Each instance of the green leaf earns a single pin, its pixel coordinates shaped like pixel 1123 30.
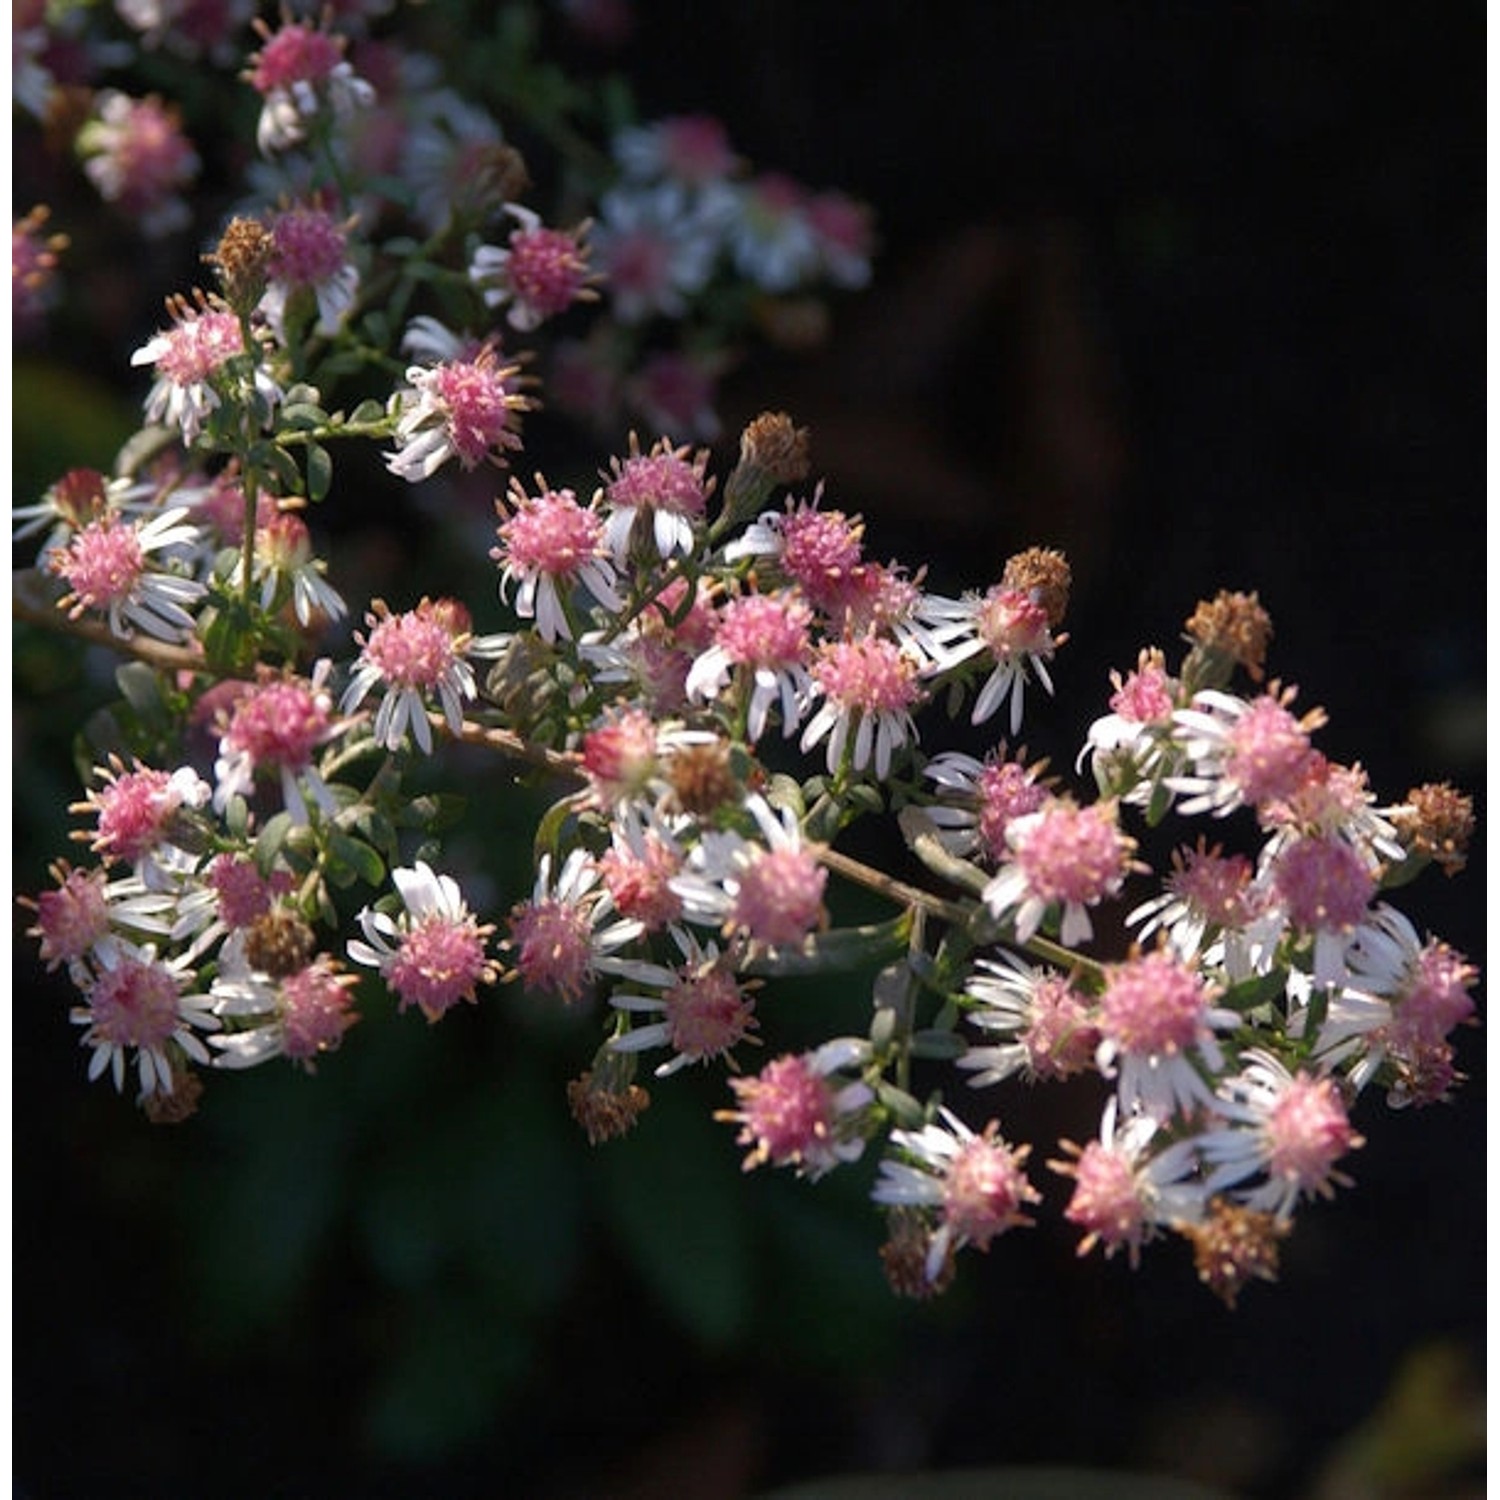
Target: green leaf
pixel 352 859
pixel 319 471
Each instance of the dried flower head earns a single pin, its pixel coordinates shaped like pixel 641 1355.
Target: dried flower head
pixel 1234 1244
pixel 1044 574
pixel 1235 626
pixel 1436 822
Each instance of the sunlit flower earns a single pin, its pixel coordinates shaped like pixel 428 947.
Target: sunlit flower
pixel 466 409
pixel 134 151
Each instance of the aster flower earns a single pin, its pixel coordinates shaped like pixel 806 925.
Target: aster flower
pixel 72 919
pixel 1210 906
pixel 76 500
pixel 1124 1192
pixel 978 800
pixel 704 1009
pixel 662 493
pixel 1012 627
pixel 1131 747
pixel 432 954
pixel 301 75
pixel 770 237
pixel 564 937
pixel 108 567
pixel 413 657
pixel 970 1185
pixel 299 1017
pixel 137 1002
pixel 141 814
pixel 656 248
pixel 466 409
pixel 843 233
pixel 1288 1129
pixel 309 262
pixel 275 726
pixel 638 867
pixel 283 559
pixel 135 153
pixel 868 688
pixel 770 892
pixel 798 1112
pixel 672 391
pixel 550 545
pixel 816 549
pixel 451 152
pixel 763 643
pixel 1243 752
pixel 1158 1023
pixel 1064 855
pixel 195 360
pixel 1322 887
pixel 539 273
pixel 1044 1027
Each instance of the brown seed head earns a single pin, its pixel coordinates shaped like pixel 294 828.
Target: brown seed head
pixel 773 444
pixel 280 943
pixel 241 258
pixel 1436 822
pixel 181 1104
pixel 703 779
pixel 1045 574
pixel 904 1257
pixel 603 1112
pixel 1232 1245
pixel 1233 625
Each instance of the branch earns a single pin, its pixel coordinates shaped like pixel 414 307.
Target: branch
pixel 31 601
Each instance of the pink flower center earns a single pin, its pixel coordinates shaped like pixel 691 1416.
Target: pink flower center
pixel 1215 886
pixel 1152 1006
pixel 1006 792
pixel 620 756
pixel 150 155
pixel 707 1014
pixel 1011 623
pixel 1145 697
pixel 552 535
pixel 639 883
pixel 787 1111
pixel 819 548
pixel 546 269
pixel 1438 997
pixel 1308 1130
pixel 639 262
pixel 553 948
pixel 1072 854
pixel 765 630
pixel 411 650
pixel 871 674
pixel 479 407
pixel 983 1190
pixel 315 1012
pixel 243 895
pixel 1060 1037
pixel 780 896
pixel 134 1005
pixel 662 481
pixel 103 563
pixel 1268 752
pixel 198 347
pixel 134 813
pixel 1324 884
pixel 71 919
pixel 439 963
pixel 695 149
pixel 1107 1199
pixel 296 54
pixel 309 247
pixel 279 724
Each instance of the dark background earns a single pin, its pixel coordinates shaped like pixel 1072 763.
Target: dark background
pixel 1194 293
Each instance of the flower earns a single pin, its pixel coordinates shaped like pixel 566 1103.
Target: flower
pixel 563 937
pixel 763 642
pixel 33 265
pixel 309 260
pixel 283 554
pixel 979 800
pixel 432 955
pixel 770 892
pixel 462 408
pixel 299 1017
pixel 134 1000
pixel 413 657
pixel 195 358
pixel 656 248
pixel 139 816
pixel 275 725
pixel 691 149
pixel 1289 1128
pixel 1061 853
pixel 1122 1193
pixel 796 1112
pixel 1048 1027
pixel 300 72
pixel 868 689
pixel 663 493
pixel 549 544
pixel 134 151
pixel 1208 894
pixel 1157 1026
pixel 705 1010
pixel 107 566
pixel 971 1184
pixel 540 273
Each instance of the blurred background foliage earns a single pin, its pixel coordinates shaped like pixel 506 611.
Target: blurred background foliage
pixel 1193 293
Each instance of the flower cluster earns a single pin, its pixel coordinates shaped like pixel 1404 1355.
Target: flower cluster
pixel 714 681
